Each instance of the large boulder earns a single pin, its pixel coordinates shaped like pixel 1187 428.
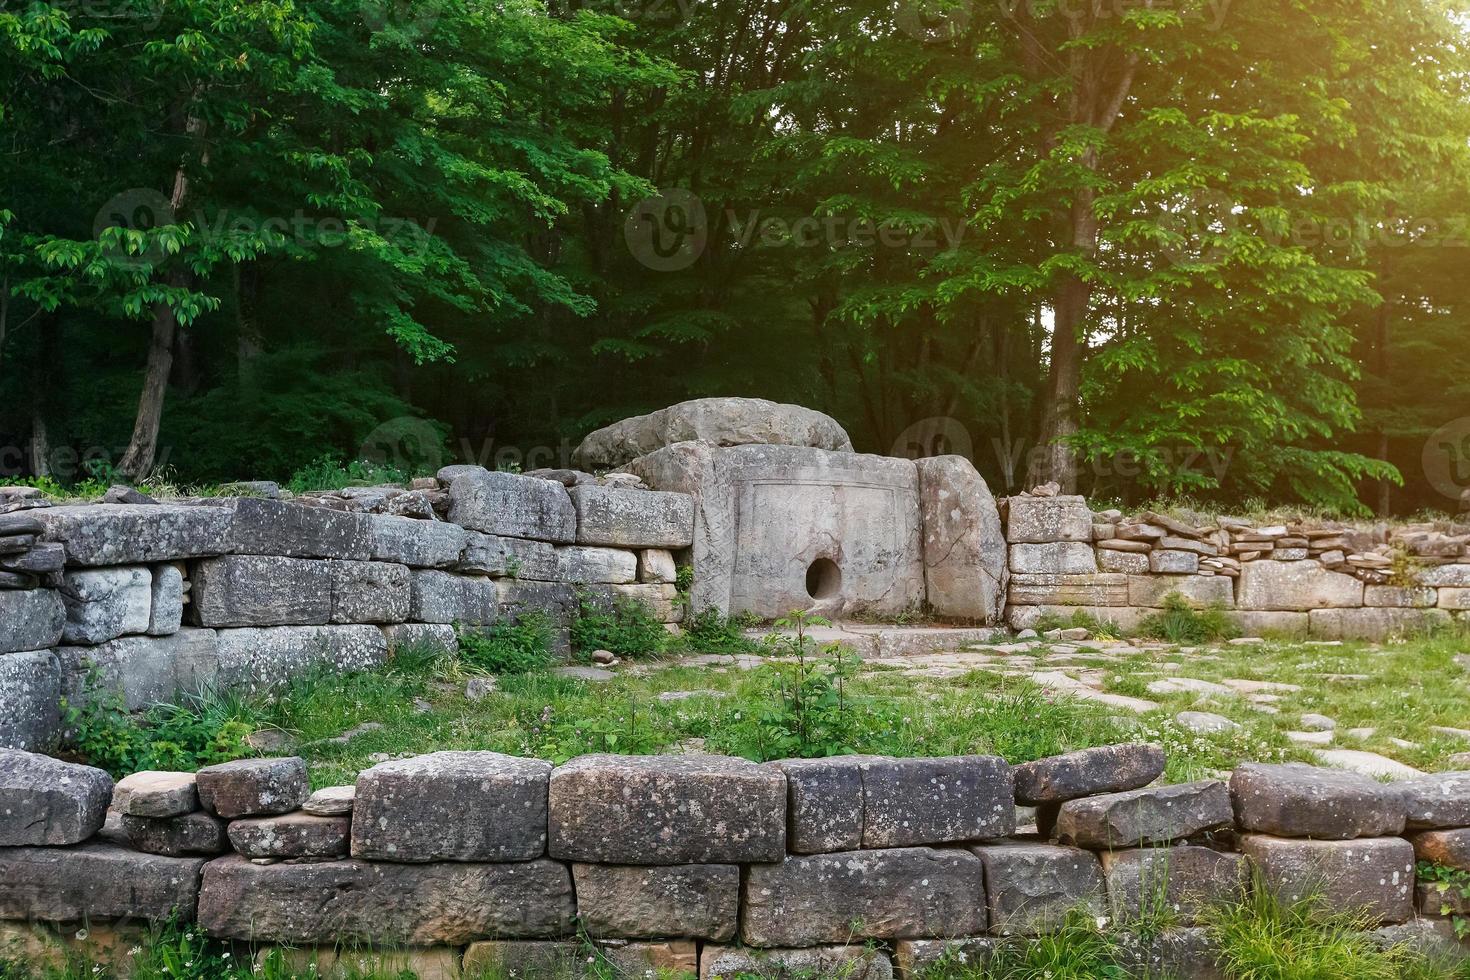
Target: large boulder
pixel 95 881
pixel 136 534
pixel 965 570
pixel 692 901
pixel 1303 801
pixel 1032 888
pixel 1375 874
pixel 1145 817
pixel 1088 772
pixel 258 590
pixel 719 421
pixel 105 603
pixel 1295 586
pixel 47 802
pixel 34 619
pixel 30 700
pixel 513 505
pixel 623 518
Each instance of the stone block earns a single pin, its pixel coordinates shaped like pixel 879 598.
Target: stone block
pixel 965 556
pixel 824 803
pixel 662 602
pixel 907 893
pixel 1044 520
pixel 385 904
pixel 693 901
pixel 145 670
pixel 512 505
pixel 1145 817
pixel 1291 624
pixel 656 567
pixel 1295 586
pixel 556 601
pixel 291 530
pixel 1060 558
pixel 189 834
pixel 44 801
pixel 1395 597
pixel 260 590
pixel 615 517
pixel 452 806
pixel 936 801
pixel 156 794
pixel 596 566
pixel 1183 882
pixel 1189 954
pixel 1455 600
pixel 53 950
pixel 1450 848
pixel 336 963
pixel 1374 625
pixel 663 810
pixel 105 603
pixel 1200 591
pixel 446 598
pixel 30 700
pixel 1437 802
pixel 1302 801
pixel 95 881
pixel 370 592
pixel 334 801
pixel 846 962
pixel 253 787
pixel 1088 772
pixel 415 543
pixel 1125 618
pixel 270 657
pixel 1446 577
pixel 516 558
pixel 675 959
pixel 1032 888
pixel 1373 874
pixel 1123 562
pixel 1069 590
pixel 1170 562
pixel 136 534
pixel 435 638
pixel 167 614
pixel 294 835
pixel 931 959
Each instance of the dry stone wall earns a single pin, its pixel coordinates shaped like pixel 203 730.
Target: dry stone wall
pixel 859 866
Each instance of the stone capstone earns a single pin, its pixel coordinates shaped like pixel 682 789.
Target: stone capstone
pixel 44 801
pixel 936 801
pixel 965 566
pixel 1374 874
pixel 1303 801
pixel 334 801
pixel 1089 772
pixel 96 881
pixel 126 534
pixel 1145 817
pixel 1032 888
pixel 692 901
pixel 253 787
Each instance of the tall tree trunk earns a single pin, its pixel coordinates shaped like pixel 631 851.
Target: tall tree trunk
pixel 1381 366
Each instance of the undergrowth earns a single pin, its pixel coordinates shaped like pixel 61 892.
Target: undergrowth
pixel 1182 623
pixel 508 648
pixel 198 730
pixel 626 628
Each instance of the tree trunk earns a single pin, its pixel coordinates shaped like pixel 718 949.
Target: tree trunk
pixel 138 461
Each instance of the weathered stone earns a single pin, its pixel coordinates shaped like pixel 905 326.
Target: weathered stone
pixel 144 670
pixel 1123 562
pixel 166 617
pixel 295 835
pixel 103 604
pixel 927 959
pixel 121 534
pixel 695 901
pixel 527 958
pixel 437 639
pixel 1043 520
pixel 718 421
pixel 656 567
pixel 1182 881
pixel 1189 954
pixel 30 700
pixel 1374 874
pixel 258 590
pixel 156 794
pixel 442 597
pixel 20 525
pixel 55 949
pixel 334 801
pixel 936 801
pixel 1291 624
pixel 1125 618
pixel 517 506
pixel 1437 802
pixel 1205 723
pixel 370 592
pixel 908 893
pixel 1303 801
pixel 516 558
pixel 669 958
pixel 1144 817
pixel 1151 591
pixel 40 559
pixel 1374 625
pixel 358 901
pixel 291 530
pixel 824 803
pixel 610 516
pixel 1432 939
pixel 1173 562
pixel 415 543
pixel 253 787
pixel 270 657
pixel 965 557
pixel 1095 591
pixel 556 601
pixel 336 963
pixel 1296 586
pixel 608 566
pixel 191 833
pixel 1032 888
pixel 1395 597
pixel 846 962
pixel 1446 577
pixel 47 802
pixel 667 810
pixel 1056 559
pixel 1107 769
pixel 1450 848
pixel 95 881
pixel 662 602
pixel 452 806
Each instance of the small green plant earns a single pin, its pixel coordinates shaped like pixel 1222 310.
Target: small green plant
pixel 1079 620
pixel 330 473
pixel 626 628
pixel 684 580
pixel 1453 887
pixel 508 648
pixel 201 730
pixel 1181 622
pixel 713 632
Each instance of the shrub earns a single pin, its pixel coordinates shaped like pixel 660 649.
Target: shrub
pixel 1079 620
pixel 627 629
pixel 508 648
pixel 200 731
pixel 713 632
pixel 1180 622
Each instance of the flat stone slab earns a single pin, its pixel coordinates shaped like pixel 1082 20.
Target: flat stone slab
pixel 1438 801
pixel 295 835
pixel 452 806
pixel 663 810
pixel 253 787
pixel 1369 764
pixel 1145 817
pixel 1109 769
pixel 95 881
pixel 692 901
pixel 1032 888
pixel 1186 880
pixel 413 904
pixel 334 801
pixel 846 962
pixel 44 801
pixel 133 534
pixel 156 794
pixel 1375 874
pixel 906 893
pixel 614 517
pixel 190 834
pixel 1303 801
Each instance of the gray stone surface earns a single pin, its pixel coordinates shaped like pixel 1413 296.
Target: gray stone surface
pixel 1450 848
pixel 452 806
pixel 1173 562
pixel 846 962
pixel 824 803
pixel 291 530
pixel 33 620
pixel 1188 954
pixel 385 904
pixel 126 534
pixel 1144 817
pixel 181 836
pixel 96 881
pixel 667 810
pixel 908 893
pixel 924 958
pixel 294 835
pixel 257 590
pixel 936 801
pixel 105 603
pixel 44 801
pixel 1042 520
pixel 145 670
pixel 610 516
pixel 1032 888
pixel 1202 591
pixel 557 601
pixel 1182 882
pixel 1374 625
pixel 1088 772
pixel 253 787
pixel 333 801
pixel 1295 586
pixel 438 638
pixel 517 506
pixel 1374 874
pixel 656 567
pixel 156 794
pixel 1303 801
pixel 517 558
pixel 692 901
pixel 719 421
pixel 602 566
pixel 167 615
pixel 965 567
pixel 416 543
pixel 370 592
pixel 446 598
pixel 1438 801
pixel 270 657
pixel 1054 559
pixel 30 700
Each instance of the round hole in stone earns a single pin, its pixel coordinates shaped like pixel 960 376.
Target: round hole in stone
pixel 823 579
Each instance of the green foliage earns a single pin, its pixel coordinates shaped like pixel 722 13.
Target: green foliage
pixel 329 473
pixel 1181 622
pixel 1454 885
pixel 201 730
pixel 508 648
pixel 625 627
pixel 1079 619
pixel 713 632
